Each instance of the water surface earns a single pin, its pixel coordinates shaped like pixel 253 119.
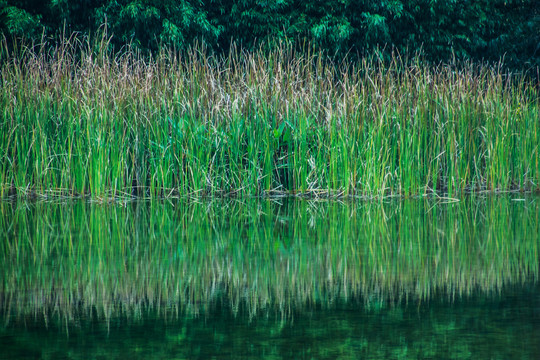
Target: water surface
pixel 271 279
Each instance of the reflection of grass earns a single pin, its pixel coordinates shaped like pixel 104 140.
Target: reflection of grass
pixel 79 120
pixel 481 327
pixel 259 255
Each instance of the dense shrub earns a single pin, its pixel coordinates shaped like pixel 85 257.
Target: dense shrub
pixel 467 29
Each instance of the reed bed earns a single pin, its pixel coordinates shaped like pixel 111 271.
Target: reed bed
pixel 258 257
pixel 78 120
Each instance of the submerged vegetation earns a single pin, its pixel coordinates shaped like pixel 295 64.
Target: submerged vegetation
pixel 107 260
pixel 78 120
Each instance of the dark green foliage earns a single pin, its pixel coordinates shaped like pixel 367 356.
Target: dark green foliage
pixel 148 24
pixel 444 30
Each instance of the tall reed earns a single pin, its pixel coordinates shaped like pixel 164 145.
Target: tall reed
pixel 78 120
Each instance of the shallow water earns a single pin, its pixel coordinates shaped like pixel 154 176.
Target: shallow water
pixel 271 279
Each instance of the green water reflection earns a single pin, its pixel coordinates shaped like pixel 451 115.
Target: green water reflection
pixel 507 327
pixel 271 279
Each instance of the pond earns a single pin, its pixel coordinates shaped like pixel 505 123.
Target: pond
pixel 274 279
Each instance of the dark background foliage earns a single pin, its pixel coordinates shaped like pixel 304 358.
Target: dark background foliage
pixel 480 30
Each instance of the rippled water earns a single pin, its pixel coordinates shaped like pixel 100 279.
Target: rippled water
pixel 271 279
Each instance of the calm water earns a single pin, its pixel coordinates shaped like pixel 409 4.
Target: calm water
pixel 271 279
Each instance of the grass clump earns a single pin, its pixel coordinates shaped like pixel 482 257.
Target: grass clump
pixel 80 121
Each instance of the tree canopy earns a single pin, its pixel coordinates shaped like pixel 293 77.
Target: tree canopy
pixel 465 29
